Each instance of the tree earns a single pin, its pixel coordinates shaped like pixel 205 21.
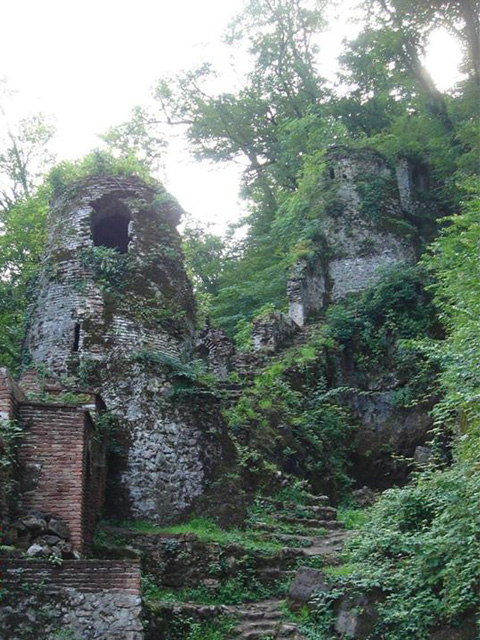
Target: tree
pixel 24 153
pixel 204 254
pixel 254 124
pixel 139 139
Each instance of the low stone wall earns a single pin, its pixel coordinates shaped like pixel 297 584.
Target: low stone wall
pixel 177 561
pixel 79 599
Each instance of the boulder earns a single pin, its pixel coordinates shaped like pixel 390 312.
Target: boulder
pixel 307 581
pixel 58 528
pixel 356 615
pixel 38 551
pixel 34 523
pixel 365 497
pixel 467 630
pixel 422 455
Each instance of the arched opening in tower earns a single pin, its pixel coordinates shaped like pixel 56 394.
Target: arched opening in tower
pixel 110 222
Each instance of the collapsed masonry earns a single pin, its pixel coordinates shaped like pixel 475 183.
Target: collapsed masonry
pixel 365 228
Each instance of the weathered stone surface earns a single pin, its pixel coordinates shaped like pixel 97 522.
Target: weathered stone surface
pixel 272 331
pixel 131 335
pixel 216 348
pixel 356 616
pixel 422 455
pixel 466 630
pixel 386 432
pixel 183 561
pixel 91 600
pixel 307 581
pixel 58 528
pixel 364 497
pixel 357 244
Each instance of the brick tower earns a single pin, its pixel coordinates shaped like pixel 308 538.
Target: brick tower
pixel 114 310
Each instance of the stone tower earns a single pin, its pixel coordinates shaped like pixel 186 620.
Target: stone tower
pixel 114 311
pixel 364 228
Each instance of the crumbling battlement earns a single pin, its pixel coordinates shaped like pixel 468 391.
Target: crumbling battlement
pixel 364 228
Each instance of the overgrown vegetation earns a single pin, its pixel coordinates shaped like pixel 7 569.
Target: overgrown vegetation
pixel 244 587
pixel 418 325
pixel 187 628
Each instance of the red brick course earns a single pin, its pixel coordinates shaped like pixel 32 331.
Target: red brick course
pixel 87 576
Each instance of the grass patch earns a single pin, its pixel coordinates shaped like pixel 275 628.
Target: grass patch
pixel 206 530
pixel 342 571
pixel 187 628
pixel 353 518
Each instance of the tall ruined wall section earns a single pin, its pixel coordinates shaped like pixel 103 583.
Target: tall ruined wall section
pixel 363 226
pixel 115 311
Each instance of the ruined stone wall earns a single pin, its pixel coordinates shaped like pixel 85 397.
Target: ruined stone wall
pixel 272 331
pixel 169 464
pixel 89 599
pixel 364 231
pixel 125 326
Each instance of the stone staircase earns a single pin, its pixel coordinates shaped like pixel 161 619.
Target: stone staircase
pixel 319 534
pixel 262 620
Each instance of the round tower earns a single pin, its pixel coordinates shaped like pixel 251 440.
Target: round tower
pixel 115 311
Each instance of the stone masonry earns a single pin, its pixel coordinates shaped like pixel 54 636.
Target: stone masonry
pixel 359 242
pixel 115 311
pixel 88 599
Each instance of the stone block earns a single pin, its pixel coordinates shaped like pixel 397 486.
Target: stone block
pixel 306 583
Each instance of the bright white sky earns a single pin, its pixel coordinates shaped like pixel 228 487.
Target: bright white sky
pixel 88 63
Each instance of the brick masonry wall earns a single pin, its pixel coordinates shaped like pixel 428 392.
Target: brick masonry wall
pixel 89 599
pixel 52 456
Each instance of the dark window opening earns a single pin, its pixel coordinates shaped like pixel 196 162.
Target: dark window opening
pixel 344 176
pixel 76 337
pixel 420 177
pixel 110 222
pixel 331 173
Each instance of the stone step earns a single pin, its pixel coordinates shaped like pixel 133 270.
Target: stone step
pixel 308 513
pixel 273 632
pixel 308 523
pixel 320 510
pixel 314 499
pixel 259 615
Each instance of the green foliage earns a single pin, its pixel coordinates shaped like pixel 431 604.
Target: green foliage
pixel 137 142
pixel 244 587
pixel 22 236
pixel 96 163
pixel 421 546
pixel 184 375
pixel 10 433
pixel 204 252
pixel 208 531
pixel 187 628
pixel 110 269
pixel 353 517
pixel 290 416
pixel 378 329
pixel 454 262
